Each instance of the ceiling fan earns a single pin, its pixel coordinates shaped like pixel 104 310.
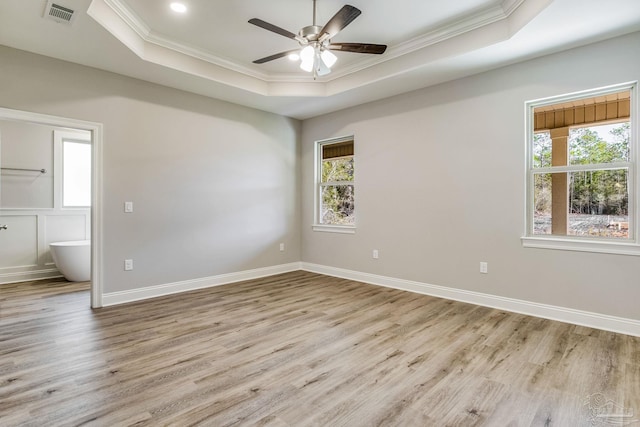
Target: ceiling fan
pixel 316 55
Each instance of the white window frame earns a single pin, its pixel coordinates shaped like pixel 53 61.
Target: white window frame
pixel 59 138
pixel 317 172
pixel 629 246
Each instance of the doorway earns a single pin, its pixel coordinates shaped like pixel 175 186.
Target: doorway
pixel 33 208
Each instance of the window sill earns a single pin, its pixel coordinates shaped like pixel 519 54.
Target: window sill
pixel 344 229
pixel 568 244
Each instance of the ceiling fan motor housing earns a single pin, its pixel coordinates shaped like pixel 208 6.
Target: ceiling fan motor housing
pixel 311 32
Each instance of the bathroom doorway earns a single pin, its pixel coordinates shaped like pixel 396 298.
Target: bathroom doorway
pixel 50 186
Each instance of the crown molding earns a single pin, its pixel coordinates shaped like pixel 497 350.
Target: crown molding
pixel 131 18
pixel 128 27
pixel 446 32
pixel 137 24
pixel 509 6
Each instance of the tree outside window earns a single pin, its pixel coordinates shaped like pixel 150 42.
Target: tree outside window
pixel 336 183
pixel 580 167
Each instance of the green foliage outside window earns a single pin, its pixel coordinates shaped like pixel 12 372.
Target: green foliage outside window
pixel 338 207
pixel 598 192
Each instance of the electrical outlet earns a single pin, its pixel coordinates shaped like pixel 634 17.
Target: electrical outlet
pixel 281 247
pixel 128 264
pixel 484 267
pixel 375 254
pixel 128 207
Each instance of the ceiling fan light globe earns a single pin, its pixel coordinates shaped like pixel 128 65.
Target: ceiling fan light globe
pixel 307 65
pixel 293 57
pixel 328 58
pixel 323 71
pixel 306 54
pixel 321 68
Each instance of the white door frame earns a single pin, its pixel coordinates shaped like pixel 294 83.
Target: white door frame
pixel 96 184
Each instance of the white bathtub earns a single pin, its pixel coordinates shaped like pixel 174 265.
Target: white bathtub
pixel 73 259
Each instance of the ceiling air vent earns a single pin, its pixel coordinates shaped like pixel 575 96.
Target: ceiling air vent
pixel 58 13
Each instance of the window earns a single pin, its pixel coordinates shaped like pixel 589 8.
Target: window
pixel 76 176
pixel 581 172
pixel 335 185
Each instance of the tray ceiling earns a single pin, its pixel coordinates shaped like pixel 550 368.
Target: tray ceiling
pixel 209 49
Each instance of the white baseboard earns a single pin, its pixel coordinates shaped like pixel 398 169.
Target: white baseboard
pixel 27 276
pixel 562 314
pixel 113 298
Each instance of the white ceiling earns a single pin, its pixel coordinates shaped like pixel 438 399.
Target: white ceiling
pixel 209 50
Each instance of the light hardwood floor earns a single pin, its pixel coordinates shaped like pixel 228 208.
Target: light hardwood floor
pixel 301 349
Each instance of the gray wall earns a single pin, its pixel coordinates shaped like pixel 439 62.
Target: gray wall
pixel 440 186
pixel 217 186
pixel 214 185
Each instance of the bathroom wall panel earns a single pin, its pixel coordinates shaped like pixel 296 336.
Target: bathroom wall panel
pixel 19 242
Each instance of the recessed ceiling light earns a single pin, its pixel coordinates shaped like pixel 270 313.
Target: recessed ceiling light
pixel 178 7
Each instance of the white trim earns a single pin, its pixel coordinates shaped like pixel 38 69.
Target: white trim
pixel 130 18
pixel 509 6
pixel 587 93
pixel 344 229
pixel 482 18
pixel 24 276
pixel 96 217
pixel 584 168
pixel 113 298
pixel 561 314
pixel 148 35
pixel 546 311
pixel 577 244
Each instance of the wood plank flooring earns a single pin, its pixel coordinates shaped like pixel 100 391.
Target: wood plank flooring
pixel 301 349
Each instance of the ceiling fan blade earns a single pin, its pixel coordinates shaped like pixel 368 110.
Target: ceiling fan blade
pixel 376 49
pixel 340 20
pixel 275 56
pixel 270 27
